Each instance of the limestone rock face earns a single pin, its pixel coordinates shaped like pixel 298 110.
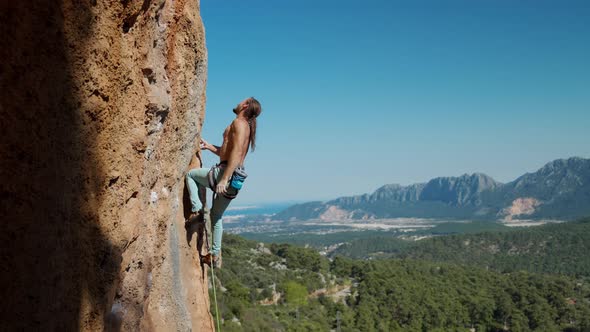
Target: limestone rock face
pixel 101 106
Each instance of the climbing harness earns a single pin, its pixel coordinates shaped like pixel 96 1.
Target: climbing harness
pixel 236 181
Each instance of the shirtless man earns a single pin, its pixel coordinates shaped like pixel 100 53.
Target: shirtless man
pixel 238 137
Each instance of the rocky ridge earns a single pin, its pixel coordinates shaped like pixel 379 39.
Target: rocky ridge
pixel 559 190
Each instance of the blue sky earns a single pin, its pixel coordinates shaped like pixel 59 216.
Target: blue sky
pixel 357 94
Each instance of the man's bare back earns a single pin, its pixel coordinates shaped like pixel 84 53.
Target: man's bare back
pixel 228 144
pixel 238 138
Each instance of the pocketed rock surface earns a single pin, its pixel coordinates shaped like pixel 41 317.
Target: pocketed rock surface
pixel 101 105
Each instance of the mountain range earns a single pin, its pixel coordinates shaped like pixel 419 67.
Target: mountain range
pixel 559 190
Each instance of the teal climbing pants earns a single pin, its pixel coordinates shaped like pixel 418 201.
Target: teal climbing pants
pixel 197 183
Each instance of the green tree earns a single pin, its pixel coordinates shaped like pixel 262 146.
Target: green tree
pixel 295 293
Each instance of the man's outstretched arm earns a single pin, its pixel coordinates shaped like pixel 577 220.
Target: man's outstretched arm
pixel 238 137
pixel 207 146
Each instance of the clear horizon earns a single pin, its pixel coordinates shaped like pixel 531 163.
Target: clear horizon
pixel 358 96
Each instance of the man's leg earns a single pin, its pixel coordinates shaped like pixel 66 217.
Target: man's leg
pixel 220 203
pixel 196 183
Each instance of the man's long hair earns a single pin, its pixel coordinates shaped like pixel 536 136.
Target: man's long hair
pixel 252 112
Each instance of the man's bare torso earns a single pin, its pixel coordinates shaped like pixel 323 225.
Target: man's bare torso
pixel 227 146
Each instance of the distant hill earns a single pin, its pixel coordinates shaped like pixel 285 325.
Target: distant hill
pixel 559 190
pixel 553 248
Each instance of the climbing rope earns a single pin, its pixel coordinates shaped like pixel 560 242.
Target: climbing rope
pixel 215 298
pixel 213 281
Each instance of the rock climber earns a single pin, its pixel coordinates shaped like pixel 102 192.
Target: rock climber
pixel 225 178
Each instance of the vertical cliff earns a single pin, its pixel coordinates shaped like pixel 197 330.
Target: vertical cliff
pixel 102 102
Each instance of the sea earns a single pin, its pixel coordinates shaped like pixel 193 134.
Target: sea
pixel 257 209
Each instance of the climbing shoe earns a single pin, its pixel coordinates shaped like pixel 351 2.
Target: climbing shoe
pixel 214 261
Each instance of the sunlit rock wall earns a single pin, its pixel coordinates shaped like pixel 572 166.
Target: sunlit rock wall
pixel 101 105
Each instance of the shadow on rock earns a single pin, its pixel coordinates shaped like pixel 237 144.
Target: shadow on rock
pixel 57 265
